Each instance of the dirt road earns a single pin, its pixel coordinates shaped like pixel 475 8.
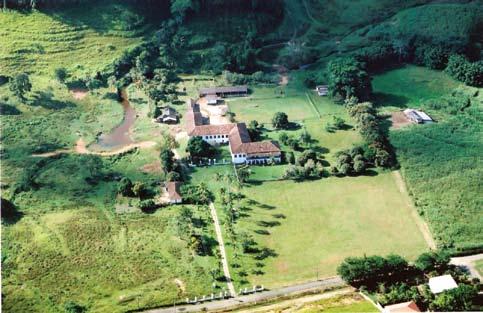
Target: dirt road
pixel 239 301
pixel 468 262
pixel 224 260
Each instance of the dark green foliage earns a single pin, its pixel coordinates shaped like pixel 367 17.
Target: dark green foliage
pixel 255 130
pixel 291 157
pixel 432 261
pixel 280 120
pixel 196 194
pixel 458 299
pixel 125 187
pixel 198 148
pixel 398 293
pixel 442 165
pixel 308 166
pixel 167 159
pixel 139 189
pixel 8 210
pixel 471 73
pixel 147 205
pixel 73 307
pixel 347 78
pixel 372 269
pixel 434 57
pixel 370 128
pixel 20 84
pixel 244 79
pixel 60 74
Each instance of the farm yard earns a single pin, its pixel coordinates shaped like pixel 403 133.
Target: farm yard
pixel 108 207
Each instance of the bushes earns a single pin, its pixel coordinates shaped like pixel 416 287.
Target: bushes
pixel 308 166
pixel 245 79
pixel 461 69
pixel 372 269
pixel 196 194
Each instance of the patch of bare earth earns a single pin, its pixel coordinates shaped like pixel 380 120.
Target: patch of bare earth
pixel 216 113
pixel 399 120
pixel 79 93
pixel 154 167
pixel 180 284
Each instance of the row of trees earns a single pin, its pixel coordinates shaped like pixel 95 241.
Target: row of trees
pixel 394 280
pixel 379 150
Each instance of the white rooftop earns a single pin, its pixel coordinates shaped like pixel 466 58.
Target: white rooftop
pixel 441 283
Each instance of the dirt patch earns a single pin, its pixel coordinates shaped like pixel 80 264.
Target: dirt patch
pixel 79 93
pixel 399 120
pixel 216 113
pixel 154 167
pixel 180 284
pixel 81 148
pixel 283 72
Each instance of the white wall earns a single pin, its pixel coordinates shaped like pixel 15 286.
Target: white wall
pixel 215 140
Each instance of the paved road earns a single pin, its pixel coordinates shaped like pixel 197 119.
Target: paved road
pixel 224 260
pixel 468 263
pixel 254 298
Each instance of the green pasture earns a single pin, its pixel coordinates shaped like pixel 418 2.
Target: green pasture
pixel 410 86
pixel 312 226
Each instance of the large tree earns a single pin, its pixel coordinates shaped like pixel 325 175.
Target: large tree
pixel 347 77
pixel 280 120
pixel 198 148
pixel 20 84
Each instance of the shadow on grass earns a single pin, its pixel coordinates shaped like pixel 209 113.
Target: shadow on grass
pixel 382 99
pixel 7 109
pixel 45 100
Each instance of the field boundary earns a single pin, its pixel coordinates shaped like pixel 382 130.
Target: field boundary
pixel 422 225
pixel 313 105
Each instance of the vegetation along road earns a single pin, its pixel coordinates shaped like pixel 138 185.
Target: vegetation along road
pixel 219 237
pixel 257 297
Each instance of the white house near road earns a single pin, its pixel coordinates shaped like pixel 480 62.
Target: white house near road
pixel 442 283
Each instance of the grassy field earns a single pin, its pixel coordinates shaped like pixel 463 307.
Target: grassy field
pixel 83 41
pixel 107 263
pixel 410 86
pixel 340 217
pixel 439 162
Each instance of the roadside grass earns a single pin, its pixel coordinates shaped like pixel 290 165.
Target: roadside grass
pixel 107 263
pixel 479 266
pixel 312 226
pixel 80 39
pixel 410 86
pixel 344 303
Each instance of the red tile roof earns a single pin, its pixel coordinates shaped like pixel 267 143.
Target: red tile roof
pixel 239 137
pixel 402 307
pixel 173 190
pixel 207 130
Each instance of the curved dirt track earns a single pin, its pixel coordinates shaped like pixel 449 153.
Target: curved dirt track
pixel 81 148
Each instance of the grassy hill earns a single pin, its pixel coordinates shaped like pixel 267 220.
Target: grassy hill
pixel 83 41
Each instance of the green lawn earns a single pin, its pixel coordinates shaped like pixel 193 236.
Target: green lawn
pixel 313 226
pixel 410 86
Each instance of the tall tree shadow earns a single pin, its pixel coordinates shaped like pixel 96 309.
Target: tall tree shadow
pixel 381 99
pixel 46 100
pixel 7 109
